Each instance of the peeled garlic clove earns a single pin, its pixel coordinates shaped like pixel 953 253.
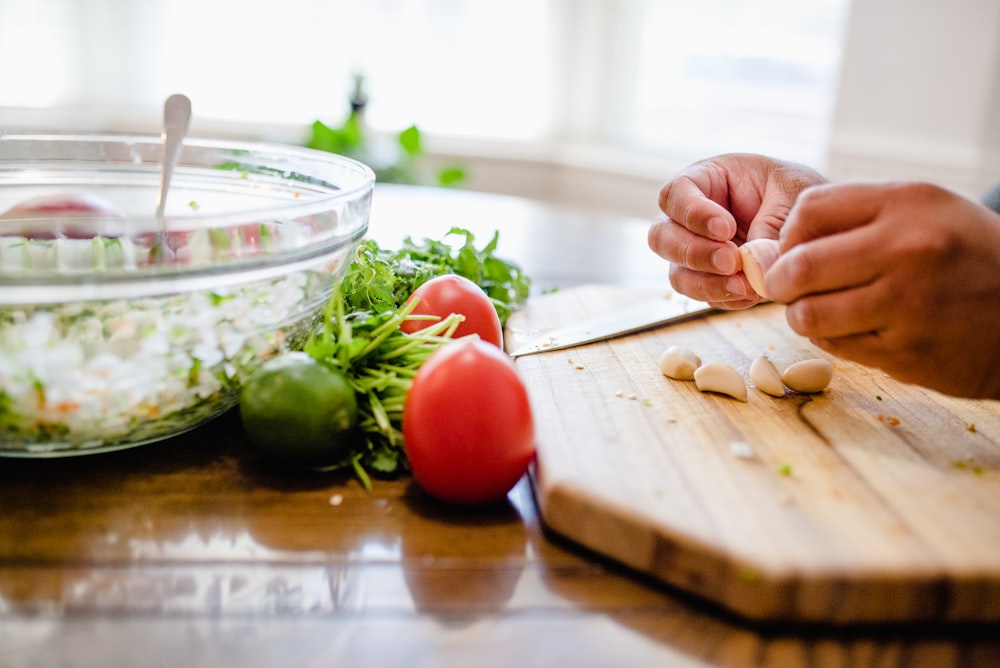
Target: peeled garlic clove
pixel 808 376
pixel 679 363
pixel 765 377
pixel 722 378
pixel 757 256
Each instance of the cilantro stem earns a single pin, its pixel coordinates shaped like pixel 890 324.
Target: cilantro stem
pixel 360 472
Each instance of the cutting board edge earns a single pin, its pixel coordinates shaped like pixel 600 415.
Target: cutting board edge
pixel 751 590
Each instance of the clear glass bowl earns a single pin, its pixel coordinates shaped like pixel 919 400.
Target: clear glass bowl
pixel 118 328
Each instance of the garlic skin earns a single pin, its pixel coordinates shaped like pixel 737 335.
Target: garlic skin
pixel 808 376
pixel 679 363
pixel 766 378
pixel 756 257
pixel 721 378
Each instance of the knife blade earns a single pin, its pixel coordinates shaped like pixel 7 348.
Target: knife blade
pixel 639 317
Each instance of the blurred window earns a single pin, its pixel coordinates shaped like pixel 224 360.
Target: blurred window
pixel 730 75
pixel 667 77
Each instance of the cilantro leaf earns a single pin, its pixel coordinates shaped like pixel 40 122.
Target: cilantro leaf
pixel 380 279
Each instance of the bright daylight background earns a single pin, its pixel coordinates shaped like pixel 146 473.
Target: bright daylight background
pixel 592 102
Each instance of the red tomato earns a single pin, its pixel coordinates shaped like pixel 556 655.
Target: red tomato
pixel 467 425
pixel 56 209
pixel 444 295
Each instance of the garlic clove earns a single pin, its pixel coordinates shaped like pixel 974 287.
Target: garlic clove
pixel 808 376
pixel 679 363
pixel 765 377
pixel 722 378
pixel 756 257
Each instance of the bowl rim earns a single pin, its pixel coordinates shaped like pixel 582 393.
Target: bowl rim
pixel 323 196
pixel 285 209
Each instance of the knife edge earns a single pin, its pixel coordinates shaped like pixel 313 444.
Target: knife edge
pixel 633 319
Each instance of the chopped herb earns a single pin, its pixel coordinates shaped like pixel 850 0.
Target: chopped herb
pixel 187 374
pixel 217 297
pixel 785 469
pixel 967 465
pixel 194 372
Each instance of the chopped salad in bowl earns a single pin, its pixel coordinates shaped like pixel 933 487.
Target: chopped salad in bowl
pixel 119 328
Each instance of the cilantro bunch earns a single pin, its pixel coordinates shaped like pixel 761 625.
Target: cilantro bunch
pixel 360 334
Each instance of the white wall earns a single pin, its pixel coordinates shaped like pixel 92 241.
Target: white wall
pixel 920 93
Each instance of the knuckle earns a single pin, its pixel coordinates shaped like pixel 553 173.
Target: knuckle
pixel 663 240
pixel 688 255
pixel 655 237
pixel 916 191
pixel 810 198
pixel 664 196
pixel 928 246
pixel 798 269
pixel 668 195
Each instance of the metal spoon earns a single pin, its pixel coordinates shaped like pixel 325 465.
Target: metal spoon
pixel 176 116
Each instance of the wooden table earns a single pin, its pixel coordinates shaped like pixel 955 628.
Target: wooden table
pixel 193 553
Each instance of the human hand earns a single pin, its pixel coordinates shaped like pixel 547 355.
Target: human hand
pixel 902 277
pixel 712 207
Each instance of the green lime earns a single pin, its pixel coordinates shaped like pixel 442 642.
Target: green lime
pixel 298 410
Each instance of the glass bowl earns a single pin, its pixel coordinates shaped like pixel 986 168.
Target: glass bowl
pixel 119 328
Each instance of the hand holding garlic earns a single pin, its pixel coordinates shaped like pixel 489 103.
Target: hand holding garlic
pixel 903 277
pixel 711 209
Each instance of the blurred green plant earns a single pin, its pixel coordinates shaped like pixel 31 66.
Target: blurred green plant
pixel 397 162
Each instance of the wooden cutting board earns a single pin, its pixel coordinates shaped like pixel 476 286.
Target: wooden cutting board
pixel 872 502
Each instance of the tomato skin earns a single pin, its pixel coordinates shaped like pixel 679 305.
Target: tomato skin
pixel 450 293
pixel 468 431
pixel 57 208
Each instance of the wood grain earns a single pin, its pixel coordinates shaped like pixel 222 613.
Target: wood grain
pixel 874 501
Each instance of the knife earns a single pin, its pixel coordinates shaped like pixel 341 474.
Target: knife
pixel 621 322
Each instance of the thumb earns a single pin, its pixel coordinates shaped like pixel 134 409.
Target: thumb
pixel 771 217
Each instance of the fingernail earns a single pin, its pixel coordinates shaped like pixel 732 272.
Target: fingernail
pixel 718 228
pixel 724 261
pixel 735 287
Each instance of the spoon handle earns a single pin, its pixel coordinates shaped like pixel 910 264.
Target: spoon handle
pixel 176 116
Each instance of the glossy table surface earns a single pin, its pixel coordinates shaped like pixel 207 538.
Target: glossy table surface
pixel 192 552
